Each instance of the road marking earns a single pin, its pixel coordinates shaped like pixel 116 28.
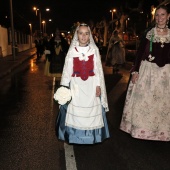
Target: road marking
pixel 70 157
pixel 69 151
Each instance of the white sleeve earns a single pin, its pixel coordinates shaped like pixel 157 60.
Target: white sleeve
pixel 67 72
pixel 96 72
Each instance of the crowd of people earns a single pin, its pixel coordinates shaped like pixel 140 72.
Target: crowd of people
pixel 146 113
pixel 53 50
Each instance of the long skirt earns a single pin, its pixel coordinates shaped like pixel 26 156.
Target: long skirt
pixel 146 112
pixel 47 71
pixel 78 136
pixel 118 55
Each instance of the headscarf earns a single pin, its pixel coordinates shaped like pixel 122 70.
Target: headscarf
pixel 98 64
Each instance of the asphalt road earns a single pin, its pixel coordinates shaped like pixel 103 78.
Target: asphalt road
pixel 27 136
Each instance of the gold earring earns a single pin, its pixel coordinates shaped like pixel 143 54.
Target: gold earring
pixel 167 22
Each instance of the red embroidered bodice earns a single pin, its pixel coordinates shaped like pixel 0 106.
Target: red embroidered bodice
pixel 83 68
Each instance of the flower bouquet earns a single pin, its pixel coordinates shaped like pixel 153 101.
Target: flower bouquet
pixel 62 95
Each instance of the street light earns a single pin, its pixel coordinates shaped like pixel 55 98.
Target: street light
pixel 36 10
pixel 44 26
pixel 127 23
pixel 30 35
pixel 112 11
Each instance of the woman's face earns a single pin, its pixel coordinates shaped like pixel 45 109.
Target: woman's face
pixel 161 17
pixel 83 35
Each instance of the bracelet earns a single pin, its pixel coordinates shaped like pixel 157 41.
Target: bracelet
pixel 134 72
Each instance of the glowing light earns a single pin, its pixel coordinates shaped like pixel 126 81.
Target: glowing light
pixel 32 65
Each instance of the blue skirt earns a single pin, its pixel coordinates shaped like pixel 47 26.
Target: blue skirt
pixel 77 136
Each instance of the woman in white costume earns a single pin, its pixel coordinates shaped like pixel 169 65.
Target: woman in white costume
pixel 146 112
pixel 116 52
pixel 83 120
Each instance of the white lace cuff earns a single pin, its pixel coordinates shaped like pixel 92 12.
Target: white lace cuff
pixel 134 72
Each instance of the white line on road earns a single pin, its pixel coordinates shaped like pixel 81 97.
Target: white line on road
pixel 70 157
pixel 69 151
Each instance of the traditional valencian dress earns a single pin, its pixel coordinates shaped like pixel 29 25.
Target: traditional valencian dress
pixel 116 53
pixel 83 120
pixel 146 112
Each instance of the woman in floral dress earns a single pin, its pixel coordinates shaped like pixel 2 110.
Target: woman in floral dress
pixel 146 112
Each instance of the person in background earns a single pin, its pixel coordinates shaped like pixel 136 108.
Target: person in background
pixel 58 50
pixel 83 120
pixel 48 56
pixel 37 46
pixel 116 52
pixel 65 47
pixel 146 113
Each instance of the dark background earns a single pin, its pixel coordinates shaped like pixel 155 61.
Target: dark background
pixel 64 12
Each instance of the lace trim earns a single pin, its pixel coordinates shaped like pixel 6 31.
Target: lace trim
pixel 92 45
pixel 102 83
pixel 101 75
pixel 158 38
pixel 84 128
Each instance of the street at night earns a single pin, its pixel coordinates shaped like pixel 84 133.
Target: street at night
pixel 27 128
pixel 112 62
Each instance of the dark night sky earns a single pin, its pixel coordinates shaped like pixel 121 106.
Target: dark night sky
pixel 64 12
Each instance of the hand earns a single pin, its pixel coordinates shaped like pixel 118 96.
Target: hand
pixel 98 91
pixel 135 78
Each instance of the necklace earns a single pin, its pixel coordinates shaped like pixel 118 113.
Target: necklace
pixel 161 37
pixel 160 29
pixel 162 40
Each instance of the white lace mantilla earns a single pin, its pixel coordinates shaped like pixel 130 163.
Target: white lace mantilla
pixel 101 75
pixel 158 38
pixel 93 46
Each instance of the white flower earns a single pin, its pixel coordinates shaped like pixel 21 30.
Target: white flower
pixel 62 95
pixel 151 57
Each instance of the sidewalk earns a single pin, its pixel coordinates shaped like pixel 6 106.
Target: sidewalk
pixel 8 63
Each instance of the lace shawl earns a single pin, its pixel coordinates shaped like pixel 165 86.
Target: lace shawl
pixel 157 38
pixel 98 64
